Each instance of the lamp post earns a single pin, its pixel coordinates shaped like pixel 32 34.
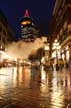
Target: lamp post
pixel 56 46
pixel 46 49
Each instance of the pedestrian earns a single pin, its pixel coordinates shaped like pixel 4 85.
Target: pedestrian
pixel 61 64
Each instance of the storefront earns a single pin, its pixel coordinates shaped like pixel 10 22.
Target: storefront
pixel 65 53
pixel 56 56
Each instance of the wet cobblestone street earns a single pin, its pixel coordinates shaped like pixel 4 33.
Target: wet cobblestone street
pixel 20 89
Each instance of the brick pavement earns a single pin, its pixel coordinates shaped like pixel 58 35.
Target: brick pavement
pixel 52 92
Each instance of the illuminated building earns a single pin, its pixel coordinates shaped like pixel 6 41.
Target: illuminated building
pixel 6 34
pixel 28 28
pixel 61 26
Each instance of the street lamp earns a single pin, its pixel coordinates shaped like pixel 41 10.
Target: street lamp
pixel 46 57
pixel 46 49
pixel 56 47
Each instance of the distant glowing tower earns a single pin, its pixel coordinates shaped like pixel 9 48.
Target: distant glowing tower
pixel 28 29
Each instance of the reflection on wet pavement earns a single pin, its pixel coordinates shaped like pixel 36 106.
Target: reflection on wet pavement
pixel 21 87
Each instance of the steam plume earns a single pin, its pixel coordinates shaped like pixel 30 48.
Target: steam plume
pixel 22 49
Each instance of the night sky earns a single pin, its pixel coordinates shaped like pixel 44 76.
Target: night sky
pixel 39 10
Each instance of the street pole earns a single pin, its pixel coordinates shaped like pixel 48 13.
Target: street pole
pixel 56 46
pixel 57 59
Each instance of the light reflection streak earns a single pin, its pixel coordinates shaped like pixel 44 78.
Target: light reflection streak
pixel 5 78
pixel 27 75
pixel 14 76
pixel 2 81
pixel 57 98
pixel 20 74
pixel 54 80
pixel 44 80
pixel 43 74
pixel 57 92
pixel 66 79
pixel 67 83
